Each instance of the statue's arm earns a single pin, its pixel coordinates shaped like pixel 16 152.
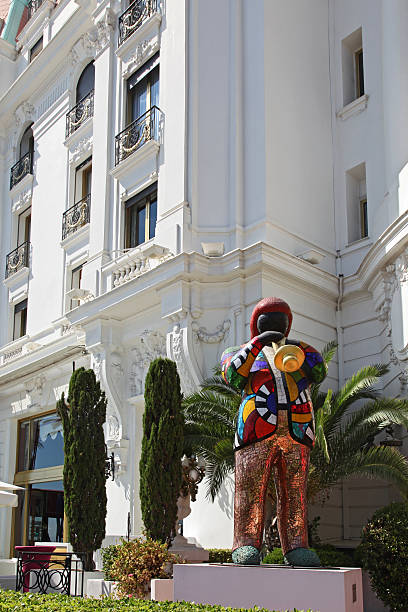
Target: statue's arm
pixel 236 363
pixel 313 366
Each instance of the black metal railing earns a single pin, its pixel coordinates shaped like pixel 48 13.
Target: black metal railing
pixel 33 6
pixel 18 259
pixel 143 129
pixel 80 113
pixel 76 216
pixel 45 572
pixel 134 16
pixel 23 167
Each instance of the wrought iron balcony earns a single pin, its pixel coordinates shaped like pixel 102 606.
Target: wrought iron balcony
pixel 33 6
pixel 134 16
pixel 17 259
pixel 23 167
pixel 76 216
pixel 80 113
pixel 143 129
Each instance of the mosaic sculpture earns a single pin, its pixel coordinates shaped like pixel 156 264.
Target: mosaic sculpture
pixel 275 432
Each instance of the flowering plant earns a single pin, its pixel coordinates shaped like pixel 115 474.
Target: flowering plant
pixel 137 562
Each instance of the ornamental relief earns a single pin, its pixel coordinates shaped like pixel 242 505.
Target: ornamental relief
pixel 392 312
pixel 150 345
pixel 144 50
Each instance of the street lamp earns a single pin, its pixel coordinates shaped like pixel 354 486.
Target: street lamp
pixel 193 470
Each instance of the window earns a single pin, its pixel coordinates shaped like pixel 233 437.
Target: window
pixel 39 516
pixel 143 89
pixel 24 227
pixel 83 179
pixel 36 49
pixel 27 142
pixel 352 67
pixel 86 82
pixel 359 71
pixel 20 320
pixel 76 278
pixel 141 217
pixel 357 211
pixel 363 218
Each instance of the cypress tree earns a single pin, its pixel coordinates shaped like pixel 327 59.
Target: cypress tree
pixel 162 449
pixel 82 418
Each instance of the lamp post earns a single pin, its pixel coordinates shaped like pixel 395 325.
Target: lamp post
pixel 193 472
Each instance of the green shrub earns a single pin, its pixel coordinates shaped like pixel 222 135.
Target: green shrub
pixel 220 555
pixel 10 600
pixel 274 557
pixel 384 553
pixel 328 554
pixel 162 449
pixel 137 562
pixel 108 554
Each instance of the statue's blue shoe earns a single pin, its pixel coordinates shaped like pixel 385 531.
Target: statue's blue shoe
pixel 246 555
pixel 303 557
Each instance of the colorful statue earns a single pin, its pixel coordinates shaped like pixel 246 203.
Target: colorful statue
pixel 275 432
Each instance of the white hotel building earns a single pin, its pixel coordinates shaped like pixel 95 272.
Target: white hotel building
pixel 165 165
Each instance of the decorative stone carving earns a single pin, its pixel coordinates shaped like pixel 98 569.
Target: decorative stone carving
pixel 394 279
pixel 177 340
pixel 22 202
pixel 24 112
pixel 143 50
pixel 99 37
pixel 82 149
pixel 34 390
pixel 201 333
pixel 150 345
pixel 113 430
pixel 106 362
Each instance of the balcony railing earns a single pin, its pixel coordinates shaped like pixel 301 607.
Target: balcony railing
pixel 80 113
pixel 23 167
pixel 33 6
pixel 76 216
pixel 17 259
pixel 136 134
pixel 134 16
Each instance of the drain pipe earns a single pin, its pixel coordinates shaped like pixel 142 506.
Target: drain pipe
pixel 339 326
pixel 13 20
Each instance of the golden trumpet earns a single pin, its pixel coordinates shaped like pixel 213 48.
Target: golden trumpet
pixel 289 358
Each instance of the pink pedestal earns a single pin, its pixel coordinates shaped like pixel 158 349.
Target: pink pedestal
pixel 275 588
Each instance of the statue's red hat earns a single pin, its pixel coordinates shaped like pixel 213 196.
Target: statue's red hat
pixel 270 304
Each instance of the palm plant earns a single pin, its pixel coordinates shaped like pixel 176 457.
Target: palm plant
pixel 347 423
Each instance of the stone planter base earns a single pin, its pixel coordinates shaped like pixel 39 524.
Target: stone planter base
pixel 272 587
pixel 100 588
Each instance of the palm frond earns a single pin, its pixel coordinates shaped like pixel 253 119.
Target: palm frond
pixel 321 419
pixel 329 350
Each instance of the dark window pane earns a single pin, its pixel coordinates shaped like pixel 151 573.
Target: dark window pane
pixel 47 444
pixel 152 218
pixel 20 320
pixel 86 82
pixel 27 142
pixel 141 225
pixel 24 446
pixel 36 49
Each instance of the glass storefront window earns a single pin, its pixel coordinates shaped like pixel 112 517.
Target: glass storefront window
pixel 39 516
pixel 41 443
pixel 45 512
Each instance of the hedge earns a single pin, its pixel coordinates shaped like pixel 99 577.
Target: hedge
pixel 10 600
pixel 329 557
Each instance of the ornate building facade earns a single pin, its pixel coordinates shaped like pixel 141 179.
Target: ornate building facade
pixel 165 164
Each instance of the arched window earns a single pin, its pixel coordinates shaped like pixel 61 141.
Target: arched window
pixel 27 142
pixel 86 82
